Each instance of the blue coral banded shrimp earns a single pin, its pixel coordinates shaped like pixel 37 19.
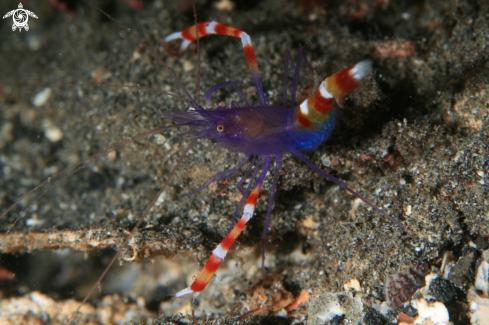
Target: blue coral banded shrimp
pixel 263 132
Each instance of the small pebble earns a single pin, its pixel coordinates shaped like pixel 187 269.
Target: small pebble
pixel 53 133
pixel 42 97
pixel 112 155
pixel 225 5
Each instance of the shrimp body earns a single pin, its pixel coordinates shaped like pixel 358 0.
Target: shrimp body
pixel 269 130
pixel 253 130
pixel 264 132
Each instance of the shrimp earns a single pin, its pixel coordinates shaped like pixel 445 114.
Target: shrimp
pixel 265 134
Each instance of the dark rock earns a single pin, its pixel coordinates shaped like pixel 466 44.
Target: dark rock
pixel 443 291
pixel 373 317
pixel 482 243
pixel 462 274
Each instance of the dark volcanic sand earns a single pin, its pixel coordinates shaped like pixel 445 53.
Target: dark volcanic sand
pixel 428 111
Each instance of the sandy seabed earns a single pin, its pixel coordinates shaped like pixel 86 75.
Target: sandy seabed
pixel 412 139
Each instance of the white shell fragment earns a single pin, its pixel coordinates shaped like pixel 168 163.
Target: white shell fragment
pixel 225 5
pixel 353 284
pixel 479 308
pixel 331 309
pixel 53 133
pixel 482 277
pixel 33 222
pixel 431 312
pixel 479 303
pixel 324 308
pixel 42 97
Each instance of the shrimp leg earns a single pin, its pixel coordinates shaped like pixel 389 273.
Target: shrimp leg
pixel 219 254
pixel 208 94
pixel 317 108
pixel 207 28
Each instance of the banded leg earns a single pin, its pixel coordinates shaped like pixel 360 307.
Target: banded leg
pixel 347 80
pixel 207 28
pixel 316 108
pixel 219 254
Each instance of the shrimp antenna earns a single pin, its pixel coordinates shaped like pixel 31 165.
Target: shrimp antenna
pixel 124 86
pixel 131 234
pixel 67 172
pixel 194 104
pixel 197 82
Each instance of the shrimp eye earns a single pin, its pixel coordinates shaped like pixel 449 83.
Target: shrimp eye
pixel 220 128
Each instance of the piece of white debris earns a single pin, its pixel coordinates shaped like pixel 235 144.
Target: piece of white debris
pixel 34 222
pixel 353 284
pixel 42 97
pixel 482 278
pixel 328 308
pixel 479 308
pixel 53 133
pixel 431 312
pixel 225 5
pixel 478 297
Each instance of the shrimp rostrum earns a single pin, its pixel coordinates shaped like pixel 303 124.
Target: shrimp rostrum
pixel 264 133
